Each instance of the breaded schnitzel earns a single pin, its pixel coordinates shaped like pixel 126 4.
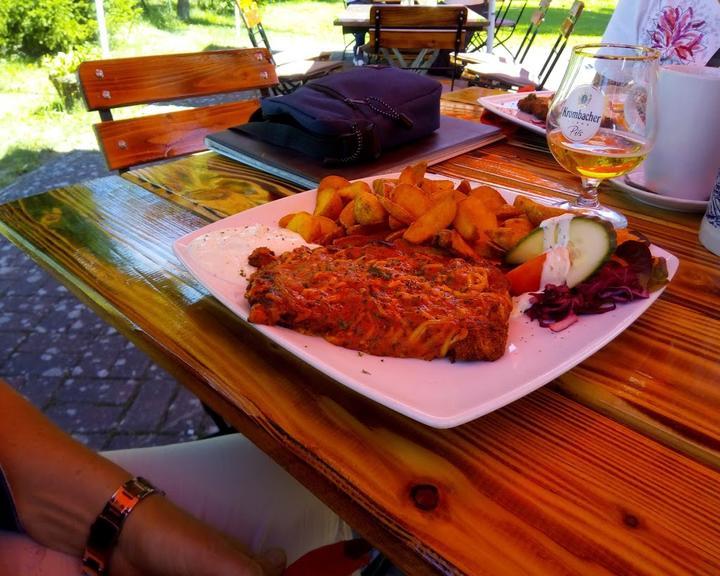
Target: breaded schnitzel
pixel 385 298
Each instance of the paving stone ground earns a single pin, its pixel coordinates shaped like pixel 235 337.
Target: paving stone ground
pixel 78 370
pixel 83 374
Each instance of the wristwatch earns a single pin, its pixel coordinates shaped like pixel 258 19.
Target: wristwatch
pixel 105 531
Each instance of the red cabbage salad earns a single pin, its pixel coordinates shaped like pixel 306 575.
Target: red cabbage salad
pixel 631 273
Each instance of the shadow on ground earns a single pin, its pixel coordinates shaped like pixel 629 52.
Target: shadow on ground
pixel 61 169
pixel 19 161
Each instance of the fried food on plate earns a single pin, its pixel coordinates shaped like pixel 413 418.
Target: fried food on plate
pixel 536 105
pixel 408 267
pixel 388 299
pixel 421 210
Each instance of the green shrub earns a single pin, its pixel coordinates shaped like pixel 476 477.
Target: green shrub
pixel 34 28
pixel 217 6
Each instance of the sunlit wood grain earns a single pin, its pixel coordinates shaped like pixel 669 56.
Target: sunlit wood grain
pixel 612 469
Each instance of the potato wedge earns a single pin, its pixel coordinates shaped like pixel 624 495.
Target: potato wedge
pixel 313 228
pixel 473 217
pixel 451 240
pixel 324 230
pixel 333 181
pixel 490 197
pixel 347 216
pixel 397 212
pixel 336 182
pixel 511 232
pixel 464 187
pixel 382 187
pixel 485 248
pixel 328 203
pixel 535 211
pixel 431 222
pixel 302 223
pixel 508 211
pixel 283 222
pixel 351 190
pixel 413 174
pixel 433 187
pixel 412 198
pixel 394 223
pixel 459 196
pixel 368 209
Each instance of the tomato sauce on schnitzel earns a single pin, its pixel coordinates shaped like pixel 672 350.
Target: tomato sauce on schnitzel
pixel 385 298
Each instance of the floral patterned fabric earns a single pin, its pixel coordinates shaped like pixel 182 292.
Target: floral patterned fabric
pixel 684 31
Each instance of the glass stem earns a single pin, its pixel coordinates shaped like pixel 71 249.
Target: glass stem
pixel 588 197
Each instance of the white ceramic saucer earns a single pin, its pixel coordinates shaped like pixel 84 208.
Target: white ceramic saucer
pixel 633 184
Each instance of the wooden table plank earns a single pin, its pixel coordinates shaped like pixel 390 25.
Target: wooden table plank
pixel 677 408
pixel 544 486
pixel 210 185
pixel 356 17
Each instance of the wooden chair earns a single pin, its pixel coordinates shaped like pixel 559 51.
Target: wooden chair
pixel 499 74
pixel 293 68
pixel 412 37
pixel 536 20
pixel 115 83
pixel 506 24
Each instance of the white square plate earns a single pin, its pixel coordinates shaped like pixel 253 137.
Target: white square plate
pixel 438 393
pixel 505 105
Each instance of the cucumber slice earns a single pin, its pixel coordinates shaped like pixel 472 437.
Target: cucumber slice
pixel 591 242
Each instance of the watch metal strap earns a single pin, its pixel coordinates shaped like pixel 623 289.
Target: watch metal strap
pixel 105 531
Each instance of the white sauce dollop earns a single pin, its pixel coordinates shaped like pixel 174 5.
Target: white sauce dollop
pixel 556 267
pixel 556 244
pixel 521 304
pixel 224 253
pixel 556 231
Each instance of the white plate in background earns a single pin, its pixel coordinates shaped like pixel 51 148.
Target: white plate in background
pixel 505 105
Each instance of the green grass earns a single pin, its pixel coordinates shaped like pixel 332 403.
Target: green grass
pixel 589 28
pixel 35 126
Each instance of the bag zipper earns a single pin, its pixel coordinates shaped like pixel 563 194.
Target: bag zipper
pixel 375 104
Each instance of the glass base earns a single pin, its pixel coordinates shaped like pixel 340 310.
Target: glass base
pixel 615 218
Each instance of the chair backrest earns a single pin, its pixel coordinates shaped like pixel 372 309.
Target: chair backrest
pixel 250 14
pixel 417 27
pixel 536 20
pixel 566 29
pixel 115 83
pixel 501 14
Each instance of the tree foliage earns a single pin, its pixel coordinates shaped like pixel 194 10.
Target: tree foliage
pixel 35 28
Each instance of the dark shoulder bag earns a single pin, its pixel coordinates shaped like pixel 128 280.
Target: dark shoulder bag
pixel 350 116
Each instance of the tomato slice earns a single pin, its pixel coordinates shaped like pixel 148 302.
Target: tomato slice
pixel 526 277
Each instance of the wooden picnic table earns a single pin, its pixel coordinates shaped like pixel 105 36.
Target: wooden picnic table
pixel 613 468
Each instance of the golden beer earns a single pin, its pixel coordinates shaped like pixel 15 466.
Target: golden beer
pixel 606 155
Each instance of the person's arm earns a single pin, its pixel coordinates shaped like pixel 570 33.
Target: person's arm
pixel 60 487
